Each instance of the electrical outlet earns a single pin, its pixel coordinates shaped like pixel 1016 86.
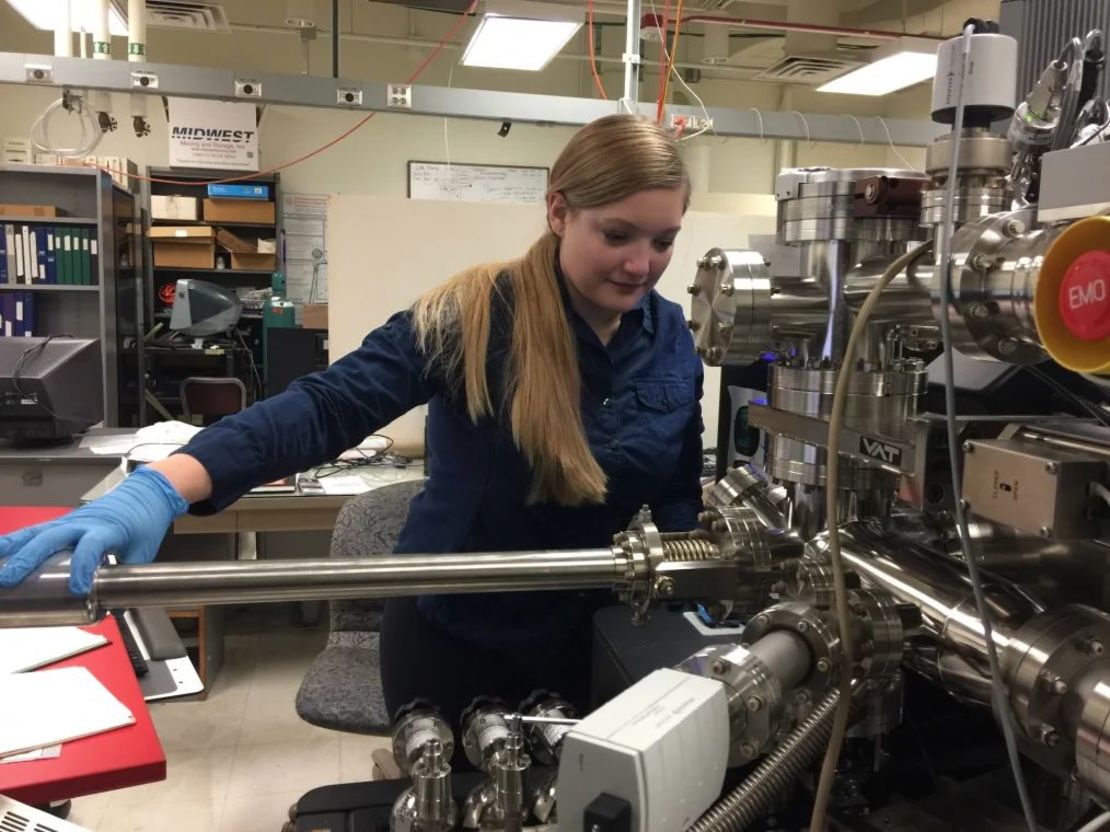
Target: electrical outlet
pixel 692 124
pixel 398 95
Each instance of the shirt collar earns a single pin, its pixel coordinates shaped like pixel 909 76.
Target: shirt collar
pixel 642 315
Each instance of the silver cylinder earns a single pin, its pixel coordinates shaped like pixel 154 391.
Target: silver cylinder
pixel 44 598
pixel 996 266
pixel 877 402
pixel 952 650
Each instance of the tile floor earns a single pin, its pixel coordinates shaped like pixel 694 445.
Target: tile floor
pixel 236 761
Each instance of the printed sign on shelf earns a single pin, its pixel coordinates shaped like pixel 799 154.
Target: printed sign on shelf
pixel 213 134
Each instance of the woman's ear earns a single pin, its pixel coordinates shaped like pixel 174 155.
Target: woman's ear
pixel 557 211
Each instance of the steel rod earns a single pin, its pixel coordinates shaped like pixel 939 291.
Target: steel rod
pixel 44 598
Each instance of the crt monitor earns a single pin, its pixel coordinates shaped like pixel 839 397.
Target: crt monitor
pixel 50 388
pixel 201 308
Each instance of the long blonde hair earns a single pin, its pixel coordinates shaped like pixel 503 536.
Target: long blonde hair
pixel 606 161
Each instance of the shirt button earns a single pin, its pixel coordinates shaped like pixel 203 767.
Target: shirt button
pixel 614 444
pixel 606 402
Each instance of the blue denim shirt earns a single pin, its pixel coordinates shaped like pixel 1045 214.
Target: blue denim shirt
pixel 640 408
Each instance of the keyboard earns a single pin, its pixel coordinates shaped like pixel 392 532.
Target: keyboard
pixel 134 655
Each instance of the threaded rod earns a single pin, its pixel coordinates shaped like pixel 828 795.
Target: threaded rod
pixel 741 807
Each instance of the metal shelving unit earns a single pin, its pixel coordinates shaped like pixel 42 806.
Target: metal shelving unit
pixel 157 278
pixel 110 310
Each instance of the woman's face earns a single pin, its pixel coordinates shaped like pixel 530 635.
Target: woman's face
pixel 614 254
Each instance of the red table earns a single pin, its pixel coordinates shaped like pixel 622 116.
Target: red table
pixel 128 756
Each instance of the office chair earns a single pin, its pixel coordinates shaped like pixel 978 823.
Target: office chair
pixel 342 689
pixel 209 397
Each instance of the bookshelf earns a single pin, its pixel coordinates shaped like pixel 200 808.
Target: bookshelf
pixel 160 280
pixel 108 306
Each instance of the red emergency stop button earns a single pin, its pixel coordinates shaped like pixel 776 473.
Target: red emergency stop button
pixel 1084 297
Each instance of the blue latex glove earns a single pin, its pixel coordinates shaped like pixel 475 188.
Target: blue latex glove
pixel 130 521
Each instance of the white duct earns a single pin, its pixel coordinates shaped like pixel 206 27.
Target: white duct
pixel 63 31
pixel 136 30
pixel 102 40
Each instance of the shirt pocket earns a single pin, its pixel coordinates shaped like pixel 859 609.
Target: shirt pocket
pixel 663 395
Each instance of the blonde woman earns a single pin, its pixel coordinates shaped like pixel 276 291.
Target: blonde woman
pixel 563 395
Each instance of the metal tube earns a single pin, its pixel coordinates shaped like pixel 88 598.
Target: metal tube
pixel 44 598
pixel 334 38
pixel 786 655
pixel 630 99
pixel 955 652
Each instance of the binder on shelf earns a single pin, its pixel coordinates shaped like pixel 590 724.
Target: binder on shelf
pixel 20 326
pixel 86 257
pixel 3 253
pixel 51 257
pixel 40 255
pixel 9 236
pixel 18 256
pixel 8 301
pixel 66 274
pixel 28 259
pixel 30 319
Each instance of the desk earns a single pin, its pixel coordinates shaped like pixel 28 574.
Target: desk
pixel 128 756
pixel 54 476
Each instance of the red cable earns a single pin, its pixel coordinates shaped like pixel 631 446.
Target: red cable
pixel 593 59
pixel 284 165
pixel 663 58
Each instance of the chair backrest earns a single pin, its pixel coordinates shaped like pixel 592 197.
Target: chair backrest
pixel 206 396
pixel 369 524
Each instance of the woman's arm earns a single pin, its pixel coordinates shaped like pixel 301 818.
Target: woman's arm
pixel 188 477
pixel 678 506
pixel 313 421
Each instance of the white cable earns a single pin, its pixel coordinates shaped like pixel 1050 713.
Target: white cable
pixel 446 141
pixel 832 484
pixel 1095 823
pixel 944 267
pixel 759 115
pixel 859 127
pixel 809 138
pixel 890 139
pixel 678 75
pixel 90 131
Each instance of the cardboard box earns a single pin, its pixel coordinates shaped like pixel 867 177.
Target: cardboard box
pixel 314 316
pixel 232 242
pixel 15 209
pixel 186 247
pixel 254 260
pixel 238 210
pixel 173 207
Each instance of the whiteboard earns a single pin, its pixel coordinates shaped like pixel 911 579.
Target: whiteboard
pixel 477 183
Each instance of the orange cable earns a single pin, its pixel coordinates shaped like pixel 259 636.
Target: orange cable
pixel 593 59
pixel 288 164
pixel 674 52
pixel 663 58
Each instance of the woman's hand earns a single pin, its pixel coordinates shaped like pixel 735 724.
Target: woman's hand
pixel 129 521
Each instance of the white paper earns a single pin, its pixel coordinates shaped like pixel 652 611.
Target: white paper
pixel 343 484
pixel 48 753
pixel 25 648
pixel 299 247
pixel 305 218
pixel 56 706
pixel 174 434
pixel 312 227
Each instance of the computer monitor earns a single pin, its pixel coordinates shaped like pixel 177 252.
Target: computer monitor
pixel 50 388
pixel 201 308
